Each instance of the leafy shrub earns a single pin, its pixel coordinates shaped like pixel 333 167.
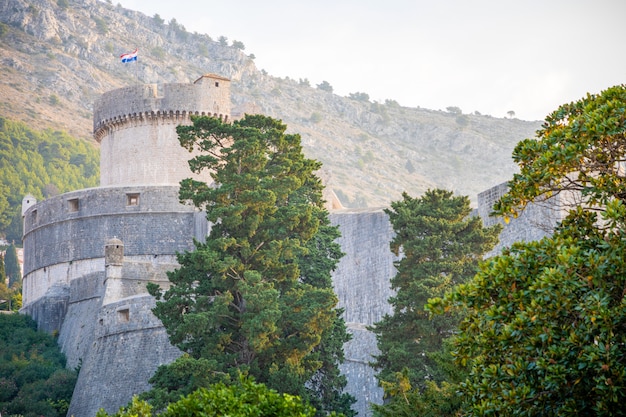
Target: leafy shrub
pixel 245 398
pixel 316 117
pixel 33 378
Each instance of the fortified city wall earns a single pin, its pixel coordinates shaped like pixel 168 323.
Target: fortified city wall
pixel 90 253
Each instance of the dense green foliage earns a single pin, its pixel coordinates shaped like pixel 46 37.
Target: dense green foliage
pixel 440 246
pixel 545 324
pixel 33 378
pixel 244 398
pixel 10 281
pixel 5 294
pixel 3 274
pixel 41 163
pixel 431 399
pixel 580 149
pixel 325 86
pixel 256 296
pixel 10 297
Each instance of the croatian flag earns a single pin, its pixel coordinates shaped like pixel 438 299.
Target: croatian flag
pixel 129 57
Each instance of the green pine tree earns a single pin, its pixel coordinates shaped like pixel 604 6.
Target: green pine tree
pixel 5 294
pixel 440 246
pixel 256 296
pixel 3 274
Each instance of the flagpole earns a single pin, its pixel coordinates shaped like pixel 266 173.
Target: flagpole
pixel 137 66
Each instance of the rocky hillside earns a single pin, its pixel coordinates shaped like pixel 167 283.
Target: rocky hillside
pixel 57 56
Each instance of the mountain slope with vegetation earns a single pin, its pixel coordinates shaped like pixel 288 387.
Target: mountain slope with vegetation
pixel 57 56
pixel 41 163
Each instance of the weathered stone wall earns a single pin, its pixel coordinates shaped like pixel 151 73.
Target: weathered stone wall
pixel 77 331
pixel 38 283
pixel 146 151
pixel 362 284
pixel 361 377
pixel 128 346
pixel 64 236
pixel 209 95
pixel 362 277
pixel 49 310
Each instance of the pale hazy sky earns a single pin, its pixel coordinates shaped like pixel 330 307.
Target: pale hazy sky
pixel 491 56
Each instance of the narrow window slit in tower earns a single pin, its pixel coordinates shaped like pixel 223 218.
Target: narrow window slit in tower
pixel 123 315
pixel 132 199
pixel 73 205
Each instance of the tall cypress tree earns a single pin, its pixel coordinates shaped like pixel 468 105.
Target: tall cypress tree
pixel 256 296
pixel 12 266
pixel 3 274
pixel 440 246
pixel 5 294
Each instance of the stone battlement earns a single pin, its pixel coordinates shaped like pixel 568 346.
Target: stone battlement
pixel 208 95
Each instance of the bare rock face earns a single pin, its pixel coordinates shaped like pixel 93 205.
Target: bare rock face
pixel 58 56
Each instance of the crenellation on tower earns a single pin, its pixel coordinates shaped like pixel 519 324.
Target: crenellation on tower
pixel 208 95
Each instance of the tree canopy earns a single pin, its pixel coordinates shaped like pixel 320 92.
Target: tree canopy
pixel 580 152
pixel 245 398
pixel 12 266
pixel 439 245
pixel 33 378
pixel 256 296
pixel 545 329
pixel 325 86
pixel 10 280
pixel 545 323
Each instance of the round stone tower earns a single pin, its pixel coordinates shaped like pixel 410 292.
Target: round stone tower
pixel 136 129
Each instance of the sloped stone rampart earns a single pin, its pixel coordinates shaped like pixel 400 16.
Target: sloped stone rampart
pixel 77 330
pixel 49 311
pixel 129 345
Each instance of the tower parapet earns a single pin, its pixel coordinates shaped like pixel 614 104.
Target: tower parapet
pixel 136 128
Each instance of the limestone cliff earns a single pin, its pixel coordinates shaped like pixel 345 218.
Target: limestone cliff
pixel 58 56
